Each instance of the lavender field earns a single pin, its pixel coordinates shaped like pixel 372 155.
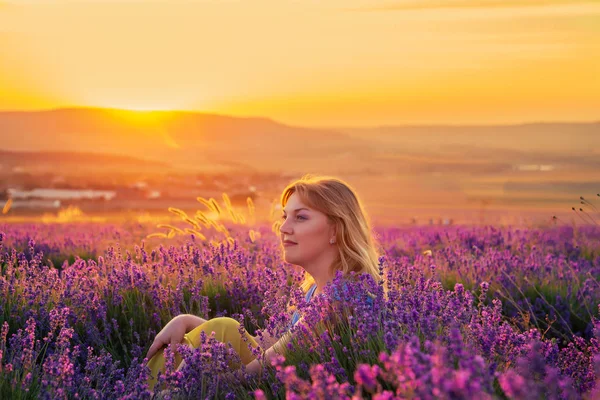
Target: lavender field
pixel 460 312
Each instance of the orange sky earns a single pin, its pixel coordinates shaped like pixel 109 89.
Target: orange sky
pixel 308 62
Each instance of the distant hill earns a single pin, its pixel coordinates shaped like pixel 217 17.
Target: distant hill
pixel 10 159
pixel 561 138
pixel 181 138
pixel 194 139
pixel 394 167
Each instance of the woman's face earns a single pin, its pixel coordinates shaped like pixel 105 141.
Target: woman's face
pixel 309 229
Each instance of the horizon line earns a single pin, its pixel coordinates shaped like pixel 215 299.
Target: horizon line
pixel 420 124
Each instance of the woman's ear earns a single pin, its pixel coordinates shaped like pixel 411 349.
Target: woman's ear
pixel 332 231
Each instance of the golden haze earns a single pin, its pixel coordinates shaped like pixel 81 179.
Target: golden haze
pixel 348 63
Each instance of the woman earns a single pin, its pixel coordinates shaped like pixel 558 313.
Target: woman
pixel 324 229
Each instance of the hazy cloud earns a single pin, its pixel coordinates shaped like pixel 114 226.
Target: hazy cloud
pixel 466 4
pixel 575 188
pixel 45 2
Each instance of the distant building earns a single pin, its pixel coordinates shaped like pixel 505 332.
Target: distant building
pixel 140 185
pixel 61 194
pixel 154 194
pixel 58 179
pixel 37 204
pixel 533 167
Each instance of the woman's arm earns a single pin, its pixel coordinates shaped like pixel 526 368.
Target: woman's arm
pixel 191 321
pixel 266 341
pixel 255 366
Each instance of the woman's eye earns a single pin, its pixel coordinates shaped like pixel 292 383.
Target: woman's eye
pixel 299 216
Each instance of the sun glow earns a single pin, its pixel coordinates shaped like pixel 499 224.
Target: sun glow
pixel 150 121
pixel 334 63
pixel 145 109
pixel 140 109
pixel 138 117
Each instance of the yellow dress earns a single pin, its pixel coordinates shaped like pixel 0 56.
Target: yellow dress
pixel 226 330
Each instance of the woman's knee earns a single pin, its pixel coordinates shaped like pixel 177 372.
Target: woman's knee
pixel 226 320
pixel 218 324
pixel 219 321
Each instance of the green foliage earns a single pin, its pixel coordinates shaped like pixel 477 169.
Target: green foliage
pixel 218 300
pixel 11 387
pixel 130 314
pixel 57 260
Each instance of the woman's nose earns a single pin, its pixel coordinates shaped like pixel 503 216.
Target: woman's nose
pixel 284 228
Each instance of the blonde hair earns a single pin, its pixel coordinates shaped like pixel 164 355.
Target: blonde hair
pixel 359 249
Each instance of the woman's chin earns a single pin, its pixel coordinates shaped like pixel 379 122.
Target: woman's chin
pixel 290 259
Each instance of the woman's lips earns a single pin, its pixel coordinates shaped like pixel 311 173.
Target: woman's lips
pixel 286 244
